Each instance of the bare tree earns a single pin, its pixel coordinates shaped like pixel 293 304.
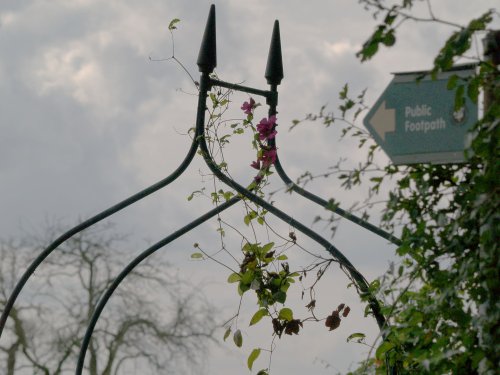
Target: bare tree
pixel 155 322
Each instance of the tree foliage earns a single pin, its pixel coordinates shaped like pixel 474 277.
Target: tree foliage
pixel 442 298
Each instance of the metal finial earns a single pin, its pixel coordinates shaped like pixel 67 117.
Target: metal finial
pixel 207 58
pixel 274 68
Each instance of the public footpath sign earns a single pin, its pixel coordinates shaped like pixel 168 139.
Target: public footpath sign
pixel 414 121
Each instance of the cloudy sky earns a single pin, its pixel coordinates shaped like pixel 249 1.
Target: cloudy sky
pixel 86 119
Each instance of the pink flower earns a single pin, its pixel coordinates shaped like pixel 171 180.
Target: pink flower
pixel 268 157
pixel 247 107
pixel 257 179
pixel 256 165
pixel 266 128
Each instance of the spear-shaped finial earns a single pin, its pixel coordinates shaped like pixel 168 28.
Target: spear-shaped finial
pixel 274 68
pixel 207 58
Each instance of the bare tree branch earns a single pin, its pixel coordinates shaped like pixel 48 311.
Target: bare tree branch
pixel 46 329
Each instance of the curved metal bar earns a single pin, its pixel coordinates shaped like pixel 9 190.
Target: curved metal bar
pixel 357 277
pixel 134 263
pixel 320 201
pixel 91 221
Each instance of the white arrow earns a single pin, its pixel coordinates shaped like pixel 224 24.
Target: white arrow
pixel 383 120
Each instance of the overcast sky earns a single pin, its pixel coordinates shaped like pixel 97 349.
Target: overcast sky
pixel 86 119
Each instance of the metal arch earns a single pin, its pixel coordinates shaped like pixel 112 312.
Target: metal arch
pixel 207 63
pixel 357 277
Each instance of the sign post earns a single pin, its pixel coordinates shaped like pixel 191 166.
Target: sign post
pixel 414 120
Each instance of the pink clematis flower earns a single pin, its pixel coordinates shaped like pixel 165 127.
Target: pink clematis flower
pixel 248 107
pixel 266 128
pixel 268 157
pixel 256 165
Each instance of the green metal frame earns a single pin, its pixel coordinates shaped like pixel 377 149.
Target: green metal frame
pixel 207 61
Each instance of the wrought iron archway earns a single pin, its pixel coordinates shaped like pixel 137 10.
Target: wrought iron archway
pixel 207 61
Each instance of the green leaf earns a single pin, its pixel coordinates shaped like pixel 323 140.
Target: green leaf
pixel 215 103
pixel 242 288
pixel 370 47
pixel 227 333
pixel 400 270
pixel 171 25
pixel 238 338
pixel 258 316
pixel 234 278
pixel 248 277
pixel 282 257
pixel 228 195
pixel 197 256
pixel 286 314
pixel 266 248
pixel 459 97
pixel 191 196
pixel 390 17
pixel 280 297
pixel 374 286
pixel 359 337
pixel 249 217
pixel 383 348
pixel 452 82
pixel 247 247
pixel 284 287
pixel 252 357
pixel 389 38
pixel 343 92
pixel 473 89
pixel 331 205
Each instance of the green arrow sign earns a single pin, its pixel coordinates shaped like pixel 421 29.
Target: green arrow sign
pixel 415 122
